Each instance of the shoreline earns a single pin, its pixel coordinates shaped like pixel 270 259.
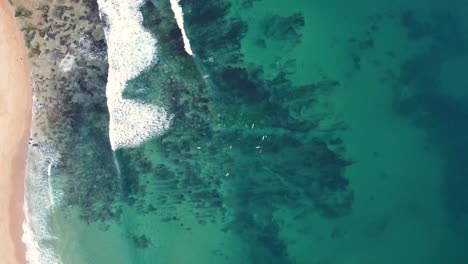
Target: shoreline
pixel 15 114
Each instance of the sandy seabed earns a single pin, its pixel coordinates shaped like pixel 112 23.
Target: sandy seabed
pixel 15 121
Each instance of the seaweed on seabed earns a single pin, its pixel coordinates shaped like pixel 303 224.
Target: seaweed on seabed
pixel 89 185
pixel 269 238
pixel 421 96
pixel 59 10
pixel 276 185
pixel 249 3
pixel 184 96
pixel 136 165
pixel 264 236
pixel 141 241
pixel 236 81
pixel 331 197
pixel 21 11
pixel 280 28
pixel 215 35
pixel 162 172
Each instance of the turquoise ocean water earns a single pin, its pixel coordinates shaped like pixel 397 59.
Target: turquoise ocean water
pixel 305 131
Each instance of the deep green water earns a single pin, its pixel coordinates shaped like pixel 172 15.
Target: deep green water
pixel 306 131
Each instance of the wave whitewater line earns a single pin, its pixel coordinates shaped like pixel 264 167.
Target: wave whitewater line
pixel 179 16
pixel 131 50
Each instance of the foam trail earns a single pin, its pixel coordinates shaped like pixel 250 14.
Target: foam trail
pixel 67 63
pixel 116 164
pixel 49 181
pixel 179 16
pixel 131 49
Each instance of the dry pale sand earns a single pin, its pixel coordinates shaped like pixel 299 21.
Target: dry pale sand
pixel 15 120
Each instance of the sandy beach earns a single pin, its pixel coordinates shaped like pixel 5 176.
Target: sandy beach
pixel 15 118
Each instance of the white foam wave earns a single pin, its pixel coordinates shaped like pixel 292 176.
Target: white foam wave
pixel 38 203
pixel 66 64
pixel 179 16
pixel 131 49
pixel 35 254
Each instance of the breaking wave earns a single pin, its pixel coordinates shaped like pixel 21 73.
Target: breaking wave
pixel 179 16
pixel 39 201
pixel 131 49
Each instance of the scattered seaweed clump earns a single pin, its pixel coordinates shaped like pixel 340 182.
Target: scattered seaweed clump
pixel 142 241
pixel 282 28
pixel 248 3
pixel 29 32
pixel 21 11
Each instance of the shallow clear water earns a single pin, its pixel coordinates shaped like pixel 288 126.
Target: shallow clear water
pixel 302 132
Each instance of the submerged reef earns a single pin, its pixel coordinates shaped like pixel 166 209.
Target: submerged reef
pixel 425 96
pixel 239 141
pixel 278 28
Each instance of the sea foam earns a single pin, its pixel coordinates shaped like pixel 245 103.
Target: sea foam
pixel 131 50
pixel 39 202
pixel 66 64
pixel 179 16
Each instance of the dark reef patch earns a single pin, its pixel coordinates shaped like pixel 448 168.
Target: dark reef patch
pixel 283 29
pixel 422 96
